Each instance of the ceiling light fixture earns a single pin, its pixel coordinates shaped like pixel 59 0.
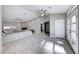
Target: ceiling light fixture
pixel 42 14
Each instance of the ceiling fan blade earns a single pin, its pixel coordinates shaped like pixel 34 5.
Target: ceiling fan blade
pixel 41 10
pixel 45 10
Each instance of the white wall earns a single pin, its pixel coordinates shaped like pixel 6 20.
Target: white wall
pixel 52 26
pixel 78 30
pixel 54 17
pixel 0 29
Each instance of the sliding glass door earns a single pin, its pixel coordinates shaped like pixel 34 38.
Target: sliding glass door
pixel 72 35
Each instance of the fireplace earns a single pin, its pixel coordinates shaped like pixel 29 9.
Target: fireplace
pixel 24 28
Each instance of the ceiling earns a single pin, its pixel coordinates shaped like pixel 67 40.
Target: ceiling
pixel 29 12
pixel 49 8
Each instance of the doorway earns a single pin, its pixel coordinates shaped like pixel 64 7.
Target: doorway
pixel 47 28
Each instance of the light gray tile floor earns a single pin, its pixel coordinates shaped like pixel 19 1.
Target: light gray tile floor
pixel 37 44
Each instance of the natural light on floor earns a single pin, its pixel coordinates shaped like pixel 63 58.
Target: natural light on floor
pixel 59 49
pixel 59 42
pixel 48 48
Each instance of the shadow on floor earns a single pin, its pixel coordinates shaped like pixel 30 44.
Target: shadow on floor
pixel 55 46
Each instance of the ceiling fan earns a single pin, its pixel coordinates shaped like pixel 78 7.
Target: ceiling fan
pixel 42 12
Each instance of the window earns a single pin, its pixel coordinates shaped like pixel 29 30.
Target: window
pixel 73 35
pixel 68 27
pixel 9 27
pixel 73 19
pixel 6 27
pixel 72 29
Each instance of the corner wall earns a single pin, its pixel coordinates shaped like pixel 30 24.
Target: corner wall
pixel 54 17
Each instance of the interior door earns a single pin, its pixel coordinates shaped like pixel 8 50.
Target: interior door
pixel 59 28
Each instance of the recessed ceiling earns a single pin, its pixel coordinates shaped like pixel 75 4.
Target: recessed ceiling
pixel 49 8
